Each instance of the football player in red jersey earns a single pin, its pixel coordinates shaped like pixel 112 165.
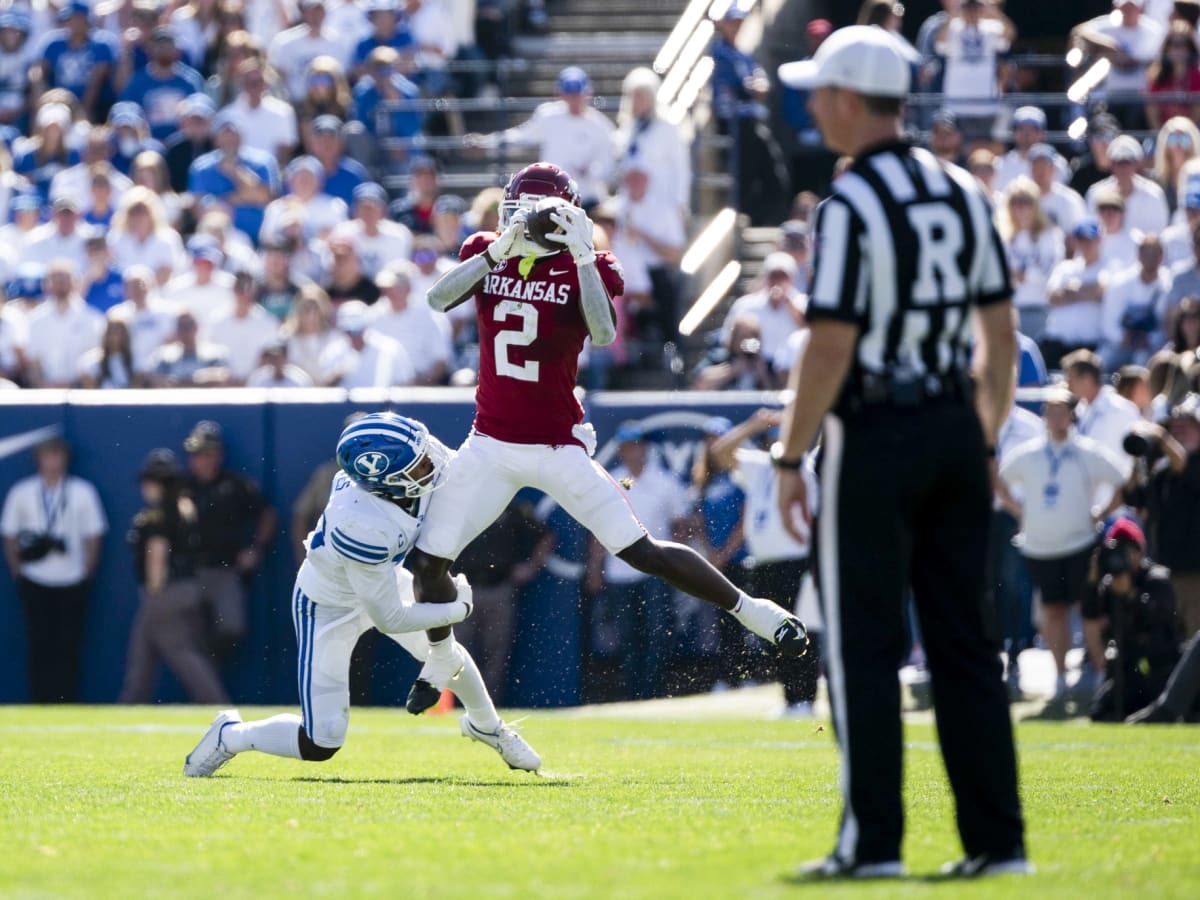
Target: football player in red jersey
pixel 535 307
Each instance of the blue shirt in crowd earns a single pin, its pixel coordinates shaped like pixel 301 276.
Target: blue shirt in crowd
pixel 71 67
pixel 106 293
pixel 205 179
pixel 721 505
pixel 398 123
pixel 40 172
pixel 342 181
pixel 731 70
pixel 401 40
pixel 159 97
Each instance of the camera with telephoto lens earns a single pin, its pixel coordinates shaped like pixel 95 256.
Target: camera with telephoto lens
pixel 1112 559
pixel 1140 445
pixel 35 545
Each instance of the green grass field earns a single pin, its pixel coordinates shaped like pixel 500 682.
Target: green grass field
pixel 92 804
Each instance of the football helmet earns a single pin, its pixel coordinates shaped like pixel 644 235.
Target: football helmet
pixel 531 184
pixel 380 452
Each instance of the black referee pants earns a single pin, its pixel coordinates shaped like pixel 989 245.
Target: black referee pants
pixel 905 500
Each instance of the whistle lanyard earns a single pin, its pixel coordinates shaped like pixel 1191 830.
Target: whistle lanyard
pixel 1050 492
pixel 53 505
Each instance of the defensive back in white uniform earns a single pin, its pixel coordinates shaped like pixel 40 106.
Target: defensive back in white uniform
pixel 352 580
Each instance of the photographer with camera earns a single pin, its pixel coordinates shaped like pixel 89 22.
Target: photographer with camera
pixel 1166 485
pixel 1133 606
pixel 53 524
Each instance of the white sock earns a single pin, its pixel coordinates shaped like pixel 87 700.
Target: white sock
pixel 758 615
pixel 442 650
pixel 469 688
pixel 278 735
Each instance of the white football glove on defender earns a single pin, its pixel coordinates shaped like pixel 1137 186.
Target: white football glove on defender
pixel 577 233
pixel 507 245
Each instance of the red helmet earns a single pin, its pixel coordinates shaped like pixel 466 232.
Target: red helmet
pixel 531 184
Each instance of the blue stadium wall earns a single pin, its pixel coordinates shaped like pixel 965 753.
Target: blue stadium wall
pixel 278 438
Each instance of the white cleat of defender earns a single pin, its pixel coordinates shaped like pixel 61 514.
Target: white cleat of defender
pixel 210 754
pixel 513 748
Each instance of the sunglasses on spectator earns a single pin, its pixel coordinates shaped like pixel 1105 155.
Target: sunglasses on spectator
pixel 1178 139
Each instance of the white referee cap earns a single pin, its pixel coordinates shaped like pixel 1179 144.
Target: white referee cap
pixel 860 58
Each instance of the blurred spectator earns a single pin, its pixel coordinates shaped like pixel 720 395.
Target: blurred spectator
pixel 1130 41
pixel 1145 203
pixel 389 30
pixel 293 50
pixel 363 358
pixel 1133 383
pixel 1169 383
pixel 11 185
pixel 342 174
pixel 1177 238
pixel 44 154
pixel 274 370
pixel 61 238
pixel 244 178
pixel 1118 249
pixel 644 135
pixel 376 241
pixel 649 239
pixel 630 612
pixel 101 285
pixel 237 47
pixel 162 84
pixel 205 291
pixel 197 27
pixel 130 136
pixel 737 362
pixel 96 157
pixel 53 524
pixel 411 323
pixel 415 209
pixel 569 132
pixel 1034 248
pixel 436 42
pixel 1134 308
pixel 1186 337
pixel 185 361
pixel 981 163
pixel 384 82
pixel 1094 165
pixel 318 212
pixel 931 78
pixel 1177 143
pixel 243 329
pixel 1100 414
pixel 1059 474
pixel 278 290
pixel 191 141
pixel 149 170
pixel 17 55
pixel 346 280
pixel 151 321
pixel 1061 204
pixel 111 364
pixel 1028 130
pixel 776 306
pixel 1185 279
pixel 79 58
pixel 946 138
pixel 266 123
pixel 1174 72
pixel 309 331
pixel 971 42
pixel 740 88
pixel 215 229
pixel 1076 287
pixel 169 626
pixel 794 241
pixel 60 331
pixel 326 93
pixel 447 221
pixel 235 526
pixel 140 234
pixel 100 209
pixel 431 265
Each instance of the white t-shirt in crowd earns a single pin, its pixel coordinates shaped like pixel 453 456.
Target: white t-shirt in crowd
pixel 1143 43
pixel 776 323
pixel 70 510
pixel 1107 420
pixel 318 216
pixel 424 334
pixel 1075 322
pixel 1145 208
pixel 650 217
pixel 76 183
pixel 582 145
pixel 659 145
pixel 392 243
pixel 1019 428
pixel 268 127
pixel 1036 258
pixel 970 84
pixel 204 301
pixel 1013 165
pixel 1063 207
pixel 1176 242
pixel 381 363
pixel 292 51
pixel 45 245
pixel 305 350
pixel 244 337
pixel 762 522
pixel 58 336
pixel 1128 290
pixel 1118 251
pixel 659 499
pixel 162 250
pixel 149 327
pixel 1059 482
pixel 293 376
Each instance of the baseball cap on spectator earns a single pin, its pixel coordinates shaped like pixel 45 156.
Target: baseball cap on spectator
pixel 735 12
pixel 352 317
pixel 160 464
pixel 74 9
pixel 860 58
pixel 226 119
pixel 1117 4
pixel 305 164
pixel 629 432
pixel 1029 115
pixel 26 282
pixel 54 114
pixel 374 6
pixel 1125 149
pixel 423 164
pixel 573 80
pixel 449 205
pixel 205 435
pixel 204 248
pixel 944 116
pixel 65 203
pixel 163 33
pixel 327 124
pixel 1103 126
pixel 126 115
pixel 25 202
pixel 1057 393
pixel 17 19
pixel 197 105
pixel 1125 529
pixel 1042 151
pixel 370 192
pixel 817 27
pixel 1109 198
pixel 718 426
pixel 795 234
pixel 778 261
pixel 1086 230
pixel 390 276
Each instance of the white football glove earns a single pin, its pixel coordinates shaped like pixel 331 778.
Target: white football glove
pixel 465 594
pixel 577 233
pixel 507 244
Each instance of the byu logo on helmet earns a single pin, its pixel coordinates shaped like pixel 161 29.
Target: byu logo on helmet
pixel 371 463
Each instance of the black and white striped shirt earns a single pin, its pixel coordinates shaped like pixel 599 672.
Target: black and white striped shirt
pixel 905 247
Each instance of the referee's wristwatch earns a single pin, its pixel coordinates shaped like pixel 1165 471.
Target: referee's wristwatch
pixel 779 461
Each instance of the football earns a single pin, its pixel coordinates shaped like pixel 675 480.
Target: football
pixel 539 224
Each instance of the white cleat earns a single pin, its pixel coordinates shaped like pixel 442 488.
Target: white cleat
pixel 513 748
pixel 210 754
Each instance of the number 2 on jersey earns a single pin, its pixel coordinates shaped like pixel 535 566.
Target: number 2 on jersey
pixel 528 314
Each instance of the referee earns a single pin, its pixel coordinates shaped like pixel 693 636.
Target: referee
pixel 907 265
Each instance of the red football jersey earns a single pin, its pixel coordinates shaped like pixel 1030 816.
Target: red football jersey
pixel 531 331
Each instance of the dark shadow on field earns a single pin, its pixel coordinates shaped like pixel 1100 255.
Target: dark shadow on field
pixel 792 879
pixel 422 779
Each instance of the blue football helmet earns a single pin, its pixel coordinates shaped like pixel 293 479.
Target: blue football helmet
pixel 380 451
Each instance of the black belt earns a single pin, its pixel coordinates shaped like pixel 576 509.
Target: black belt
pixel 869 391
